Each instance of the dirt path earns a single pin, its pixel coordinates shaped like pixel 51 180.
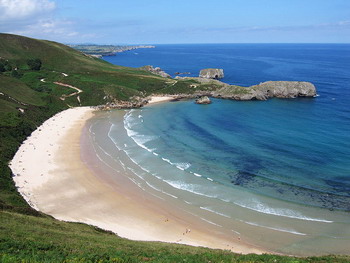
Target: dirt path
pixel 64 96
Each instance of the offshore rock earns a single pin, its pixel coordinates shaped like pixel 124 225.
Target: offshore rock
pixel 211 73
pixel 203 100
pixel 158 71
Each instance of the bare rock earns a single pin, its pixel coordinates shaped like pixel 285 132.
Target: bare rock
pixel 203 100
pixel 211 73
pixel 286 89
pixel 157 70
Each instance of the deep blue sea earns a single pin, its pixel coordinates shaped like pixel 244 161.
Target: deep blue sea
pixel 276 172
pixel 296 150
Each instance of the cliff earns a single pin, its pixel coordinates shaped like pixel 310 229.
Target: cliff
pixel 211 73
pixel 266 90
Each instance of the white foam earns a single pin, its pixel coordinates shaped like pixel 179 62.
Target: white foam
pixel 159 190
pixel 257 206
pixel 187 187
pixel 139 139
pixel 210 222
pixel 213 211
pixel 292 231
pixel 183 166
pixel 236 232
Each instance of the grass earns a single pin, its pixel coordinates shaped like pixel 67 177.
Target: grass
pixel 43 239
pixel 30 236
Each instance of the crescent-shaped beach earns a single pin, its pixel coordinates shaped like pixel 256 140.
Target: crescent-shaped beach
pixel 51 175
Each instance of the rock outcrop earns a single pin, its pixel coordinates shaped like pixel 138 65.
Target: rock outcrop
pixel 211 73
pixel 205 88
pixel 286 89
pixel 269 89
pixel 203 100
pixel 157 70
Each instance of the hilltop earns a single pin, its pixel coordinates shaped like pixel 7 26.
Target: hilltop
pixel 39 78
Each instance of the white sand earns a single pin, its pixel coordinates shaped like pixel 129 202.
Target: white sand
pixel 157 99
pixel 34 161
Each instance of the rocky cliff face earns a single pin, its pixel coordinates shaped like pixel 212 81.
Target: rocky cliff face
pixel 157 70
pixel 211 73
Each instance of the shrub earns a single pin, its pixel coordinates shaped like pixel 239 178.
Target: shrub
pixel 16 74
pixel 34 64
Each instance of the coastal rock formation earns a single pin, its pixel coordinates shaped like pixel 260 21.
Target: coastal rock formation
pixel 211 73
pixel 286 89
pixel 120 104
pixel 203 100
pixel 158 71
pixel 218 89
pixel 269 89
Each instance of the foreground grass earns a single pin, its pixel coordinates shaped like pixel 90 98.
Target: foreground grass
pixel 26 238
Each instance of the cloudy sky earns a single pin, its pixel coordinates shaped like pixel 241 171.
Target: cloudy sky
pixel 178 21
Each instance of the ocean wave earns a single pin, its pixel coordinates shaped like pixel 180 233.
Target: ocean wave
pixel 210 222
pixel 292 231
pixel 139 139
pixel 257 206
pixel 159 190
pixel 188 187
pixel 182 166
pixel 213 211
pixel 111 137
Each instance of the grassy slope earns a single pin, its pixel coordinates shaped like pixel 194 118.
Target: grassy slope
pixel 28 235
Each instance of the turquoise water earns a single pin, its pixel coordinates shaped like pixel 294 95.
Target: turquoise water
pixel 263 147
pixel 296 150
pixel 281 166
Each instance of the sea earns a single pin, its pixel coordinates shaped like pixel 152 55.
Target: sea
pixel 276 172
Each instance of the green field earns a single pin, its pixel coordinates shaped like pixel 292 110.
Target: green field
pixel 27 98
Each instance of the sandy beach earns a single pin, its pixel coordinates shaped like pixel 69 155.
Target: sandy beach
pixel 51 176
pixel 158 99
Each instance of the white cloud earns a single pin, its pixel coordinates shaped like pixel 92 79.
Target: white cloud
pixel 36 18
pixel 60 30
pixel 24 9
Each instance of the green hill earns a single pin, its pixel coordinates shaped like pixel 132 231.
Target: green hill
pixel 29 96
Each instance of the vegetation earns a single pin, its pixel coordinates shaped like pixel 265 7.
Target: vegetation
pixel 34 64
pixel 29 97
pixel 105 50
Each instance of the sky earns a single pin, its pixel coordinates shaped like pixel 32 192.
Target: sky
pixel 178 21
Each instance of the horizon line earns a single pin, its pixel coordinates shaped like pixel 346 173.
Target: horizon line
pixel 223 43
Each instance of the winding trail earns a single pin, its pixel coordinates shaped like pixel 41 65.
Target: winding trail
pixel 64 96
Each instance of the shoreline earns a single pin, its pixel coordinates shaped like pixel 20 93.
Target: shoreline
pixel 161 99
pixel 61 185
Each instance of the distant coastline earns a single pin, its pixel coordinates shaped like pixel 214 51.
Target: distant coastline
pixel 99 51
